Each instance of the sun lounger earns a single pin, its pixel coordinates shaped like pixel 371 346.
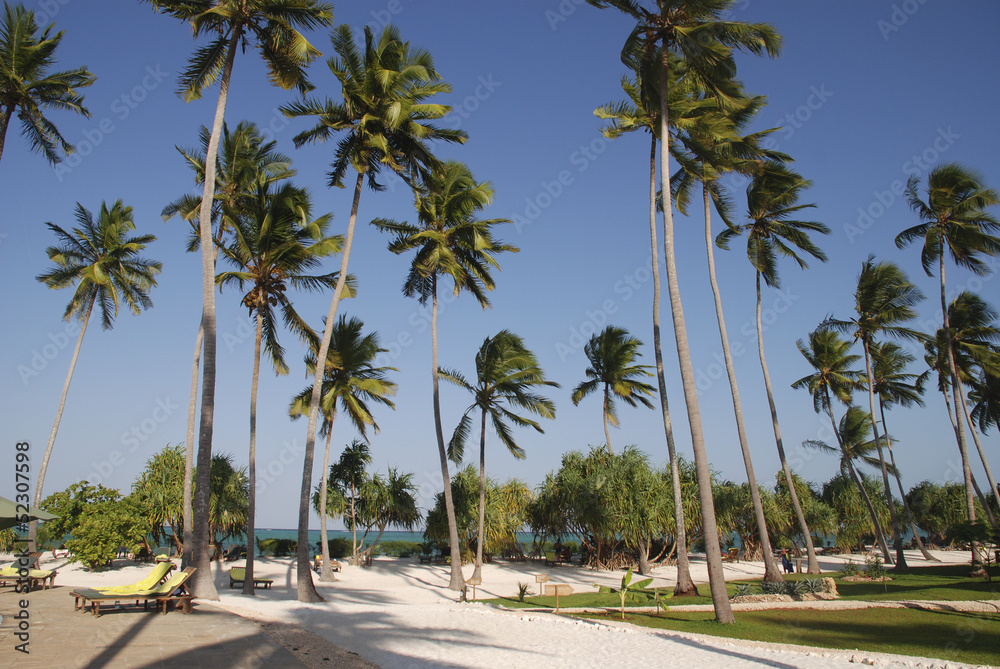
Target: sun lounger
pixel 318 564
pixel 155 577
pixel 239 574
pixel 35 577
pixel 174 589
pixel 732 556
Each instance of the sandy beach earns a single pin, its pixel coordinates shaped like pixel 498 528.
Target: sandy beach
pixel 399 614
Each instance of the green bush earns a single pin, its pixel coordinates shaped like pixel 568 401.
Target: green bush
pixel 850 569
pixel 401 549
pixel 277 547
pixel 102 528
pixel 874 569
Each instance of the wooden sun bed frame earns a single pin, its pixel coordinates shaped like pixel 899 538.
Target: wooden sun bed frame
pixel 178 593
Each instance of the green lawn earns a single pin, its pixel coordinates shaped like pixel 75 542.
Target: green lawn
pixel 951 636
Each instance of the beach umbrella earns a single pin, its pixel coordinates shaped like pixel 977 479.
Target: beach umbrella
pixel 9 516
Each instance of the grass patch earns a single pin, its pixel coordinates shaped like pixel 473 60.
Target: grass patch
pixel 945 583
pixel 946 635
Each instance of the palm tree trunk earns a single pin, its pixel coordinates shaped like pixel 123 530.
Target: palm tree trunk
pixel 713 553
pixel 189 447
pixel 305 589
pixel 879 535
pixel 326 573
pixel 959 424
pixel 813 564
pixel 771 572
pixel 457 582
pixel 252 467
pixel 354 525
pixel 481 537
pixel 203 583
pixel 685 586
pixel 902 493
pixel 607 434
pixel 952 416
pixel 897 536
pixel 982 453
pixel 984 502
pixel 4 122
pixel 40 482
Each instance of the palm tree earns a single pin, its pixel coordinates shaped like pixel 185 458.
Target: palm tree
pixel 613 353
pixel 228 504
pixel 27 86
pixel 854 444
pixel 716 146
pixel 245 160
pixel 102 261
pixel 389 501
pixel 349 475
pixel 449 242
pixel 506 375
pixel 954 217
pixel 985 393
pixel 883 301
pixel 276 241
pixel 388 124
pixel 894 386
pixel 351 380
pixel 272 27
pixel 694 30
pixel 829 355
pixel 641 111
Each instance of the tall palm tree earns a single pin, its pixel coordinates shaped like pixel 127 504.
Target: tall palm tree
pixel 449 242
pixel 613 355
pixel 388 123
pixel 894 386
pixel 276 241
pixel 830 356
pixel 641 112
pixel 228 500
pixel 985 392
pixel 507 374
pixel 272 27
pixel 245 161
pixel 693 29
pixel 28 87
pixel 954 218
pixel 102 261
pixel 716 146
pixel 883 301
pixel 351 381
pixel 854 444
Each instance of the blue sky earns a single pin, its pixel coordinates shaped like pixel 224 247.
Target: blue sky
pixel 865 94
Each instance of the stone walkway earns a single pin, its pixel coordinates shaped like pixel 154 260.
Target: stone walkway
pixel 60 637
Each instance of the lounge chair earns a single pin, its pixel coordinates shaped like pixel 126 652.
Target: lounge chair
pixel 35 576
pixel 732 556
pixel 318 564
pixel 155 577
pixel 239 574
pixel 174 589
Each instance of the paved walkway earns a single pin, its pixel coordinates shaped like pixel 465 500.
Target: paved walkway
pixel 60 637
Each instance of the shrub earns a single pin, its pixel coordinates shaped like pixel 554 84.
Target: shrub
pixel 742 590
pixel 874 569
pixel 277 547
pixel 523 589
pixel 850 569
pixel 400 549
pixel 812 585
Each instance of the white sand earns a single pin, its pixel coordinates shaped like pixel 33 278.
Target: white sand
pixel 400 614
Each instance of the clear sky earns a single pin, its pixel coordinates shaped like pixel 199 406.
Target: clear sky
pixel 866 93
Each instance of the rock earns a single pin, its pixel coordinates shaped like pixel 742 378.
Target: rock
pixel 830 587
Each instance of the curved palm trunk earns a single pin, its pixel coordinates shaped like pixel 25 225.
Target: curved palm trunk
pixel 897 536
pixel 952 416
pixel 771 572
pixel 354 525
pixel 879 535
pixel 607 433
pixel 305 589
pixel 813 564
pixel 478 571
pixel 713 553
pixel 4 122
pixel 685 586
pixel 982 453
pixel 457 582
pixel 326 572
pixel 189 448
pixel 959 424
pixel 203 583
pixel 899 484
pixel 252 467
pixel 33 525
